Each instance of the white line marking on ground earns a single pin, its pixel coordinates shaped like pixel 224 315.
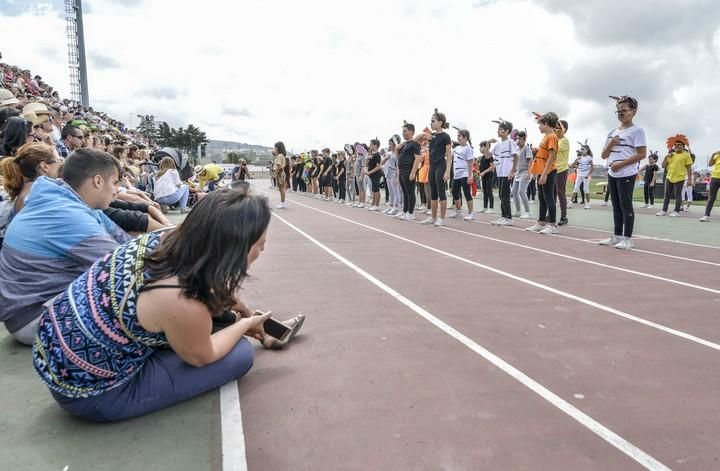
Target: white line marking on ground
pixel 591 262
pixel 550 289
pixel 231 427
pixel 585 420
pixel 593 241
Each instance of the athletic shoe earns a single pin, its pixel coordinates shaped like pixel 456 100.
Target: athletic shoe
pixel 704 219
pixel 374 208
pixel 484 210
pixel 625 244
pixel 386 210
pixel 650 206
pixel 505 222
pixel 661 213
pixel 420 206
pixel 340 201
pixel 429 211
pixel 409 217
pixel 645 206
pixel 439 222
pixel 587 206
pixel 550 229
pixel 427 222
pixel 532 201
pixel 535 228
pixel 490 211
pixel 280 206
pixel 569 205
pixel 526 216
pixel 604 203
pixel 674 214
pixel 455 214
pixel 361 206
pixel 469 217
pixel 612 240
pixel 563 221
pixel 355 205
pixel 496 222
pixel 400 215
pixel 516 215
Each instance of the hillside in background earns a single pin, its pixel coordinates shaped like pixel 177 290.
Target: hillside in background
pixel 231 152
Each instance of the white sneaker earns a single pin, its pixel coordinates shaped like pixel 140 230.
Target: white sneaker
pixel 569 205
pixel 650 206
pixel 440 222
pixel 525 216
pixel 354 205
pixel 704 219
pixel 496 221
pixel 674 214
pixel 469 217
pixel 484 210
pixel 280 206
pixel 516 215
pixel 645 206
pixel 361 205
pixel 550 229
pixel 532 201
pixel 374 208
pixel 420 206
pixel 505 222
pixel 604 203
pixel 385 211
pixel 490 211
pixel 625 244
pixel 400 215
pixel 455 214
pixel 429 211
pixel 536 227
pixel 612 240
pixel 661 213
pixel 409 217
pixel 427 221
pixel 587 206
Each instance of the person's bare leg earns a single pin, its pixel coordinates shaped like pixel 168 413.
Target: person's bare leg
pixel 157 215
pixel 433 209
pixel 443 208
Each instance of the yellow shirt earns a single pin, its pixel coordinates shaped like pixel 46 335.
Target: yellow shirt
pixel 210 173
pixel 279 163
pixel 716 167
pixel 677 165
pixel 563 155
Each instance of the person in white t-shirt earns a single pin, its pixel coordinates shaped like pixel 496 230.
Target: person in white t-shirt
pixel 462 164
pixel 624 149
pixel 584 168
pixel 168 188
pixel 522 176
pixel 505 157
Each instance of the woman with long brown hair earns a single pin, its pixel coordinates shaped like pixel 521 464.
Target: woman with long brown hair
pixel 32 161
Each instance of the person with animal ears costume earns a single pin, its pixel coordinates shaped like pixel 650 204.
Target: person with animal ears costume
pixel 677 164
pixel 505 158
pixel 584 167
pixel 440 147
pixel 462 167
pixel 543 165
pixel 625 147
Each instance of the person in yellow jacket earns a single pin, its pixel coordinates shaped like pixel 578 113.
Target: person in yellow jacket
pixel 563 165
pixel 210 175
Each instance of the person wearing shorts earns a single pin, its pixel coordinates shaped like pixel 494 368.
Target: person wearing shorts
pixel 462 164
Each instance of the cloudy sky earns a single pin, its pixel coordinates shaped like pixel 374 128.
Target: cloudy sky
pixel 322 73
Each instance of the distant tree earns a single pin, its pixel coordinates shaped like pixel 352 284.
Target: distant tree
pixel 148 128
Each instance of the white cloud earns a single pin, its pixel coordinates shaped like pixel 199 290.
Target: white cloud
pixel 322 73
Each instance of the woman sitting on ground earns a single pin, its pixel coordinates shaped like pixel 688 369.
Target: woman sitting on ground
pixel 169 189
pixel 102 345
pixel 19 172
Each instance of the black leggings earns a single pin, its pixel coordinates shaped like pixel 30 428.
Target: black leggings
pixel 621 193
pixel 712 195
pixel 408 191
pixel 437 184
pixel 488 198
pixel 649 193
pixel 671 188
pixel 341 185
pixel 504 185
pixel 457 185
pixel 546 195
pixel 532 189
pixel 421 189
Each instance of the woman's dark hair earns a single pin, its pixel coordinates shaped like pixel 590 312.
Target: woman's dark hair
pixel 549 119
pixel 565 125
pixel 375 142
pixel 14 135
pixel 16 170
pixel 211 265
pixel 5 114
pixel 441 117
pixel 628 100
pixel 409 126
pixel 466 134
pixel 280 148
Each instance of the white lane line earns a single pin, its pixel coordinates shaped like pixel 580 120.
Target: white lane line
pixel 593 241
pixel 550 289
pixel 591 262
pixel 231 427
pixel 585 420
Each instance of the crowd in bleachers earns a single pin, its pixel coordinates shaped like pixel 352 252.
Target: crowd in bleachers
pixel 86 246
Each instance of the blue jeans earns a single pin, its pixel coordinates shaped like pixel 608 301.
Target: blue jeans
pixel 164 380
pixel 180 196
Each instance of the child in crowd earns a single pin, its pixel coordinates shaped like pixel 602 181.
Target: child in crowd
pixel 463 161
pixel 584 167
pixel 562 164
pixel 714 183
pixel 392 179
pixel 440 151
pixel 543 165
pixel 678 173
pixel 624 149
pixel 505 156
pixel 487 174
pixel 522 177
pixel 649 178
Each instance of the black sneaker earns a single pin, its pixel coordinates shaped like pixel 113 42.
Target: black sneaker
pixel 562 222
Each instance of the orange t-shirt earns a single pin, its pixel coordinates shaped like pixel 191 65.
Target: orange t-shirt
pixel 425 168
pixel 549 142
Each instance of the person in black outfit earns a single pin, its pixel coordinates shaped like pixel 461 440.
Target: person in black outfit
pixel 374 171
pixel 440 155
pixel 409 159
pixel 487 175
pixel 651 171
